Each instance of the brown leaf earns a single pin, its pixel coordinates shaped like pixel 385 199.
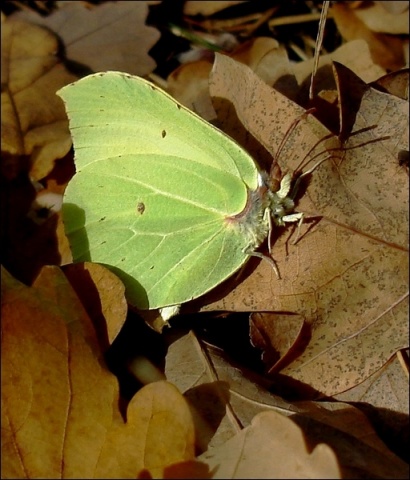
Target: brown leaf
pixel 384 397
pixel 57 398
pixel 110 36
pixel 225 397
pixel 102 294
pixel 348 273
pixel 33 120
pixel 159 432
pixel 380 18
pixel 60 414
pixel 189 83
pixel 207 8
pixel 356 56
pixel 263 113
pixel 387 50
pixel 277 336
pixel 395 83
pixel 271 447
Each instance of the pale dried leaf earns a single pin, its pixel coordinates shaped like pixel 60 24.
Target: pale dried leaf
pixel 395 6
pixel 271 447
pixel 348 273
pixel 385 397
pixel 354 54
pixel 386 50
pixel 110 36
pixel 189 83
pixel 225 397
pixel 378 19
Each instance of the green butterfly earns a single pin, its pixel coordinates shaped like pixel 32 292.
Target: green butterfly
pixel 167 201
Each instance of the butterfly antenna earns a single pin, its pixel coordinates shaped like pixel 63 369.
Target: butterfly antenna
pixel 288 133
pixel 299 178
pixel 337 149
pixel 323 139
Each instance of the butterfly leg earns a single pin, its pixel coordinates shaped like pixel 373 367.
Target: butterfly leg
pixel 270 260
pixel 295 217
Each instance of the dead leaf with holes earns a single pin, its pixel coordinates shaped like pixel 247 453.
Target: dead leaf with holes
pixel 60 412
pixel 348 273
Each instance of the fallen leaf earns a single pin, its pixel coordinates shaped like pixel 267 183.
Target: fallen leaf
pixel 354 54
pixel 277 336
pixel 102 294
pixel 225 397
pixel 348 274
pixel 60 416
pixel 33 120
pixel 57 399
pixel 395 83
pixel 271 447
pixel 189 83
pixel 110 36
pixel 394 6
pixel 387 50
pixel 377 18
pixel 384 397
pixel 159 432
pixel 207 8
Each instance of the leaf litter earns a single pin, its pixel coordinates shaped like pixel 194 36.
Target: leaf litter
pixel 344 282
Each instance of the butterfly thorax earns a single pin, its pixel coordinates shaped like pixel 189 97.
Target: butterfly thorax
pixel 253 222
pixel 281 204
pixel 280 208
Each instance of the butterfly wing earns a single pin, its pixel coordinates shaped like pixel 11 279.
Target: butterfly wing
pixel 154 186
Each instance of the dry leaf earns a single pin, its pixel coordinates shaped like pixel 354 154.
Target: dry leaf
pixel 354 54
pixel 57 399
pixel 387 50
pixel 395 6
pixel 102 294
pixel 159 432
pixel 384 396
pixel 348 273
pixel 271 447
pixel 110 36
pixel 189 83
pixel 379 19
pixel 225 397
pixel 60 416
pixel 207 8
pixel 33 120
pixel 277 336
pixel 396 83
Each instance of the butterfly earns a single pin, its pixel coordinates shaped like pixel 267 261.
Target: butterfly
pixel 167 201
